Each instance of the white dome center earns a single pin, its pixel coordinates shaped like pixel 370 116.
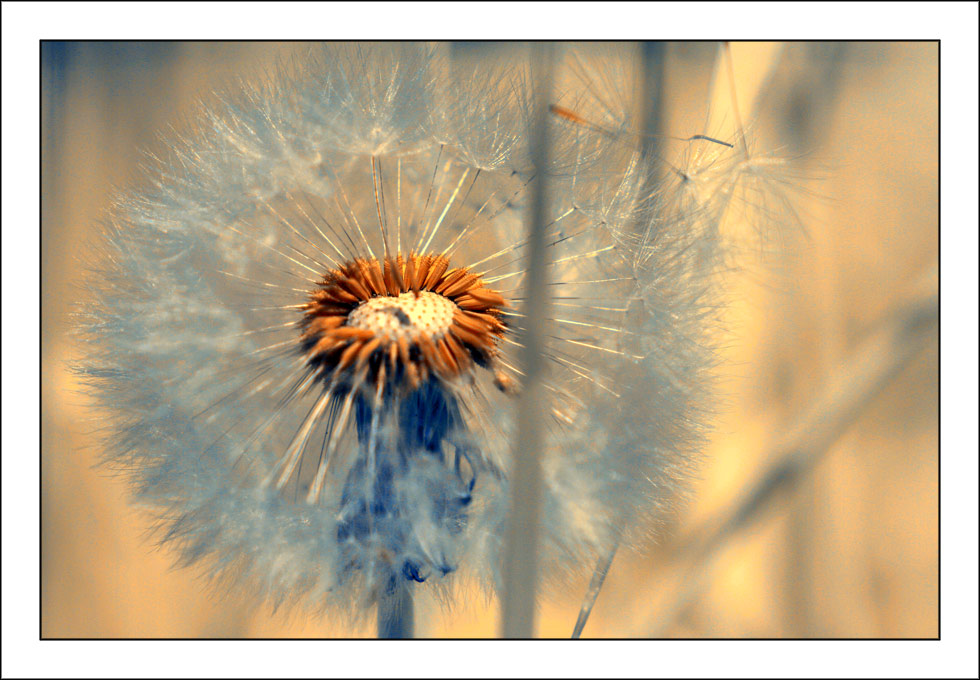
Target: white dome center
pixel 405 316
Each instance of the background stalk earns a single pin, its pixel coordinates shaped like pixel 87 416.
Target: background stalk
pixel 520 567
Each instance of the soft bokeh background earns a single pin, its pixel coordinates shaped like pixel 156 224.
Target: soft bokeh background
pixel 816 514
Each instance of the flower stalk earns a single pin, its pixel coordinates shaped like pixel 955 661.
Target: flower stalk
pixel 396 613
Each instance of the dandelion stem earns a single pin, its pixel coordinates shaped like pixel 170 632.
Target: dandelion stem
pixel 521 537
pixel 396 613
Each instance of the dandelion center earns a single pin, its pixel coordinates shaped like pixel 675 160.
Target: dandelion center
pixel 405 316
pixel 399 322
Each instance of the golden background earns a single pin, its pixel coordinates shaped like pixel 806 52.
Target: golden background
pixel 816 514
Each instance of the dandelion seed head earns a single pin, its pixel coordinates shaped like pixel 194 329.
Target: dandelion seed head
pixel 306 324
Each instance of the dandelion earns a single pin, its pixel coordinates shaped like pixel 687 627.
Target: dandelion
pixel 306 324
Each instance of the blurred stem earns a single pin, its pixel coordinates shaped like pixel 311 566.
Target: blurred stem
pixel 520 568
pixel 651 101
pixel 396 614
pixel 651 111
pixel 841 401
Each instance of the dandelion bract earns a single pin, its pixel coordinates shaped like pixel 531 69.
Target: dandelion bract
pixel 308 314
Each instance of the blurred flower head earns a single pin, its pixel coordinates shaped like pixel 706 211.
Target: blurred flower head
pixel 305 321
